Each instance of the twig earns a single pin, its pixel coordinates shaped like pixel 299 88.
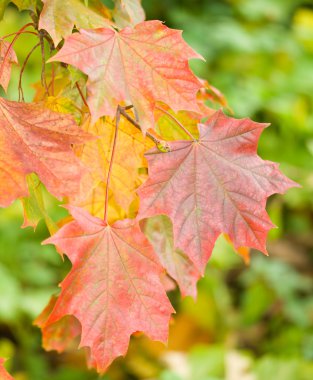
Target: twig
pixel 34 16
pixel 20 89
pixel 43 66
pixel 176 121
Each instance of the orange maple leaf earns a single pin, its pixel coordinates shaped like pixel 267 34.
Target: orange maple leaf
pixel 36 139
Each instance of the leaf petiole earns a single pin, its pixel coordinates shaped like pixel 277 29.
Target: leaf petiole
pixel 158 142
pixel 20 89
pixel 81 94
pixel 176 121
pixel 117 121
pixel 18 33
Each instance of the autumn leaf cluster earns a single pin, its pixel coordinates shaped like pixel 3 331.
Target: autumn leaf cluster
pixel 125 134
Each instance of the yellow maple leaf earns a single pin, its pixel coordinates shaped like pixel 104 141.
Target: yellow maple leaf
pixel 128 170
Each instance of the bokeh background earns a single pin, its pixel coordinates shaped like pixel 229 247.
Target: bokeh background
pixel 249 322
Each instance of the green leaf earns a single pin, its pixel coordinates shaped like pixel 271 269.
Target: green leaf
pixel 58 17
pixel 21 4
pixel 34 205
pixel 25 4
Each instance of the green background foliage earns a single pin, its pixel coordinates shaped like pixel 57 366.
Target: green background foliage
pixel 256 320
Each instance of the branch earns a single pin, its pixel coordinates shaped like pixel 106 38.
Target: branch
pixel 43 66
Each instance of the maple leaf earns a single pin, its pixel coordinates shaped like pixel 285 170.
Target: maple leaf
pixel 96 155
pixel 128 12
pixel 213 185
pixel 159 232
pixel 7 59
pixel 4 375
pixel 137 66
pixel 58 336
pixel 36 139
pixel 113 289
pixel 58 17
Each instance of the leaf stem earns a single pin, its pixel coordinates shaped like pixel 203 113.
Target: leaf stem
pixel 117 122
pixel 20 89
pixel 17 34
pixel 81 94
pixel 176 121
pixel 43 66
pixel 137 125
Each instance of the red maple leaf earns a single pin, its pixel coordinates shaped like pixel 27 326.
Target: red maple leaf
pixel 138 66
pixel 113 289
pixel 36 139
pixel 217 184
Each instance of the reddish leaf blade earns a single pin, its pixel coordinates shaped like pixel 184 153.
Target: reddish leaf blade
pixel 7 59
pixel 138 66
pixel 159 231
pixel 61 335
pixel 215 185
pixel 4 375
pixel 36 139
pixel 114 287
